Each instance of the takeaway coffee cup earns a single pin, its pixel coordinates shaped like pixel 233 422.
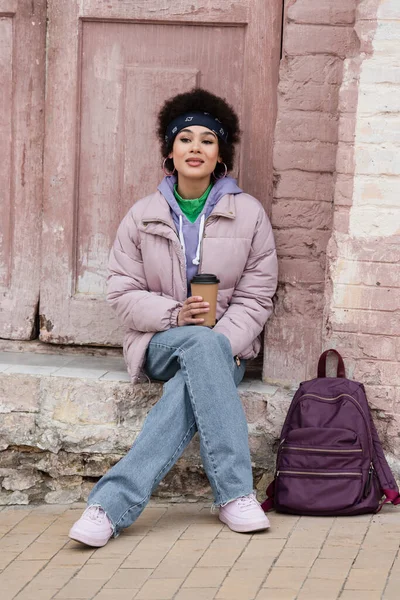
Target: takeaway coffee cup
pixel 206 286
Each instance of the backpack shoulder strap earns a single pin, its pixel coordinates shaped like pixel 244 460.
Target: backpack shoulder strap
pixel 269 502
pixel 385 476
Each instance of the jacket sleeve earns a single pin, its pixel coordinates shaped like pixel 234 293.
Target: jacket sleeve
pixel 251 302
pixel 127 290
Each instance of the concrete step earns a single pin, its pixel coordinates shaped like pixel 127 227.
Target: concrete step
pixel 66 418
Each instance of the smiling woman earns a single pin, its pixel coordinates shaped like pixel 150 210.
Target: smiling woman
pixel 198 222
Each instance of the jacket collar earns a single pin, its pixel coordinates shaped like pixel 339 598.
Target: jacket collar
pixel 158 210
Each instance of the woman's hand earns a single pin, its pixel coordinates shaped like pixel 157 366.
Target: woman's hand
pixel 192 306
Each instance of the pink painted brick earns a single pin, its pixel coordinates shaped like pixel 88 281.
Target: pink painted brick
pixel 377 346
pixel 356 296
pixel 304 185
pixel 315 69
pixel 368 9
pixel 302 213
pixel 381 396
pixel 292 270
pixel 298 243
pixel 320 39
pixel 344 190
pixel 306 126
pixel 345 161
pixel 363 321
pixel 348 97
pixel 367 273
pixel 308 156
pixel 323 97
pixel 341 219
pixel 347 126
pixel 323 11
pixel 369 251
pixel 377 372
pixel 304 299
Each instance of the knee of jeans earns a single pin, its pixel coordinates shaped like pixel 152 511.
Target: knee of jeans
pixel 208 337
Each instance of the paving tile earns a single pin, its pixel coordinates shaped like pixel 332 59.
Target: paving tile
pixel 316 589
pixel 355 595
pixel 326 568
pixel 84 373
pixel 33 593
pixel 119 547
pixel 196 594
pixel 105 594
pixel 101 570
pixel 181 559
pixel 129 579
pixel 293 557
pixel 205 577
pixel 223 553
pixel 338 552
pixel 367 579
pixel 16 543
pixel 199 531
pixel 286 577
pixel 276 594
pixel 382 559
pixel 34 358
pixel 148 553
pixel 75 556
pixel 6 558
pixel 239 585
pixel 116 376
pixel 54 578
pixel 80 588
pixel 258 556
pixel 32 369
pixel 17 575
pixel 159 589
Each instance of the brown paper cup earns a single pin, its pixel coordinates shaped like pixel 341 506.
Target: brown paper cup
pixel 206 286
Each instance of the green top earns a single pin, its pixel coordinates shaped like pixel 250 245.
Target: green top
pixel 192 208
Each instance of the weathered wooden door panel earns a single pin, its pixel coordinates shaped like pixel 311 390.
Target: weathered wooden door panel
pixel 110 66
pixel 22 70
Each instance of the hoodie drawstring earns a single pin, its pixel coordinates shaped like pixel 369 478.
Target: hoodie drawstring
pixel 181 237
pixel 196 260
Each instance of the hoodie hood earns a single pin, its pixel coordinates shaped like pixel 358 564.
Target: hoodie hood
pixel 191 234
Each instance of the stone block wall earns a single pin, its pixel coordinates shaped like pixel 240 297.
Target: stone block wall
pixel 362 312
pixel 318 36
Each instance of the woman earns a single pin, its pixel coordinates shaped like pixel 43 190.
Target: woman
pixel 199 220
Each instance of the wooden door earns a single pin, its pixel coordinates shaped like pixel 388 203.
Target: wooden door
pixel 110 66
pixel 22 70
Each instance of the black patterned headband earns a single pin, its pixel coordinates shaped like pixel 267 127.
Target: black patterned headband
pixel 195 118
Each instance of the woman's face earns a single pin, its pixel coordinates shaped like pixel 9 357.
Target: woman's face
pixel 195 152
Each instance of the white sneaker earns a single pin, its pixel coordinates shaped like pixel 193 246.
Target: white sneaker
pixel 93 528
pixel 244 515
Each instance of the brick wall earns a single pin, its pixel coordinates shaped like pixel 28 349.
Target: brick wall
pixel 318 36
pixel 362 296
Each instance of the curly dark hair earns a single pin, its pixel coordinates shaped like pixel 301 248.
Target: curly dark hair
pixel 202 100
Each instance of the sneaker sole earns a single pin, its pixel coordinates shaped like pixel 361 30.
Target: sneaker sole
pixel 243 528
pixel 83 539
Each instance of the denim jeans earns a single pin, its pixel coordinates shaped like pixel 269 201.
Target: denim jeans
pixel 199 395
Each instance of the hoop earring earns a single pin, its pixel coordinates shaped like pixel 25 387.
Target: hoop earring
pixel 167 173
pixel 221 176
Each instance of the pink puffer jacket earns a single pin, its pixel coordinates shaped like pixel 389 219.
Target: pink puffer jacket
pixel 147 276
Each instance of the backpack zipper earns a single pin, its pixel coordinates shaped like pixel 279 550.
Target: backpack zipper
pixel 320 449
pixel 340 474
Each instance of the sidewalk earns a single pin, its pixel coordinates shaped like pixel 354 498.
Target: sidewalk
pixel 182 552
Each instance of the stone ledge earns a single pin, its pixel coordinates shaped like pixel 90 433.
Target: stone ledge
pixel 66 420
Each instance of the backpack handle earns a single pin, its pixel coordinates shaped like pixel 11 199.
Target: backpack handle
pixel 322 364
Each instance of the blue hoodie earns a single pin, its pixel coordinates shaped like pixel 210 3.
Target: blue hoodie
pixel 191 234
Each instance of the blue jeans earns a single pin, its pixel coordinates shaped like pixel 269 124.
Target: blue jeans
pixel 200 395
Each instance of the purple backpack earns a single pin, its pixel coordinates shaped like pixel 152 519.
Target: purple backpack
pixel 330 460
